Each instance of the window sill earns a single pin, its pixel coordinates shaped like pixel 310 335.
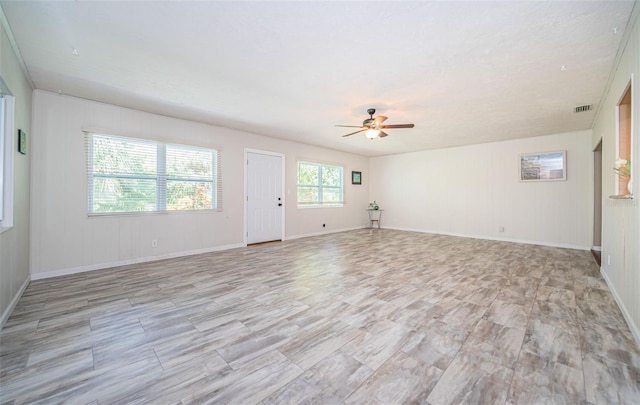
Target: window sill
pixel 621 197
pixel 150 213
pixel 304 207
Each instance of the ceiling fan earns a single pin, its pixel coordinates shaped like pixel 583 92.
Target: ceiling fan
pixel 372 127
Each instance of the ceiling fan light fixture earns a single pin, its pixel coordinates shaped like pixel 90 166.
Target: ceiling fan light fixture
pixel 372 133
pixel 373 127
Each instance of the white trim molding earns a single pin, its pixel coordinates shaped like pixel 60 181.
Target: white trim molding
pixel 100 266
pixel 12 305
pixel 625 313
pixel 307 235
pixel 511 240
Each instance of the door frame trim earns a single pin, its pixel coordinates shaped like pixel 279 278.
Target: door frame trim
pixel 597 178
pixel 246 194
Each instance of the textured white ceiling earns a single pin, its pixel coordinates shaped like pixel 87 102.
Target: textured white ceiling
pixel 463 72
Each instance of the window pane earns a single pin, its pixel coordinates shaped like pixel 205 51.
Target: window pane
pixel 307 174
pixel 331 176
pixel 319 185
pixel 123 195
pixel 189 195
pixel 307 194
pixel 112 155
pixel 331 195
pixel 189 163
pixel 2 143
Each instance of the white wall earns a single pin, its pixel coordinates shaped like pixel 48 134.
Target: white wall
pixel 64 239
pixel 474 190
pixel 14 243
pixel 621 218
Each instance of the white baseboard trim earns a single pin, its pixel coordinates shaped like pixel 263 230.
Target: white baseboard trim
pixel 625 313
pixel 307 235
pixel 7 312
pixel 486 237
pixel 100 266
pixel 596 248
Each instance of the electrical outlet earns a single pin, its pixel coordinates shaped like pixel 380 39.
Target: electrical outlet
pixel 608 260
pixel 154 243
pixel 501 229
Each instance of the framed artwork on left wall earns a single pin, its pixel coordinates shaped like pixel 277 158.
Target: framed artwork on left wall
pixel 22 142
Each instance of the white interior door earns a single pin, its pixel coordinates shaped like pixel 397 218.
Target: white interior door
pixel 265 201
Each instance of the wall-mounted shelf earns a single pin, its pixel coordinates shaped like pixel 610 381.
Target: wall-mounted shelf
pixel 621 197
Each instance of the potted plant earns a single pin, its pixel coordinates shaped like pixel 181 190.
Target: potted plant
pixel 623 169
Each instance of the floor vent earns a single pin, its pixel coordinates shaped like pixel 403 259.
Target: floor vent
pixel 582 108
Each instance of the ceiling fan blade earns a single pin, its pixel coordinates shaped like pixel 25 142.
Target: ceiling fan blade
pixel 398 126
pixel 382 134
pixel 379 120
pixel 349 126
pixel 357 132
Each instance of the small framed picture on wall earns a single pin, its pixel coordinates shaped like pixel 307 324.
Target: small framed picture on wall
pixel 356 177
pixel 22 142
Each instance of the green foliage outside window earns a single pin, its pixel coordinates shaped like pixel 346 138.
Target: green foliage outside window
pixel 187 172
pixel 135 175
pixel 124 175
pixel 319 185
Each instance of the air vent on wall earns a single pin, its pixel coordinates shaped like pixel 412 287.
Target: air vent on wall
pixel 582 108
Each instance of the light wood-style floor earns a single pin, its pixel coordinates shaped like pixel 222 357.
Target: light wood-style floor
pixel 369 316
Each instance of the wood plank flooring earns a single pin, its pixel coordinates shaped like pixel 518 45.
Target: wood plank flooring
pixel 368 316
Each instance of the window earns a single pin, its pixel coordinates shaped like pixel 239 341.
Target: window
pixel 2 159
pixel 319 185
pixel 138 175
pixel 7 103
pixel 624 142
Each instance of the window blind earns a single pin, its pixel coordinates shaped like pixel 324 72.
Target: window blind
pixel 2 146
pixel 126 175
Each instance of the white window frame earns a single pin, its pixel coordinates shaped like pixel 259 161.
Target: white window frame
pixel 7 143
pixel 160 177
pixel 628 88
pixel 320 203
